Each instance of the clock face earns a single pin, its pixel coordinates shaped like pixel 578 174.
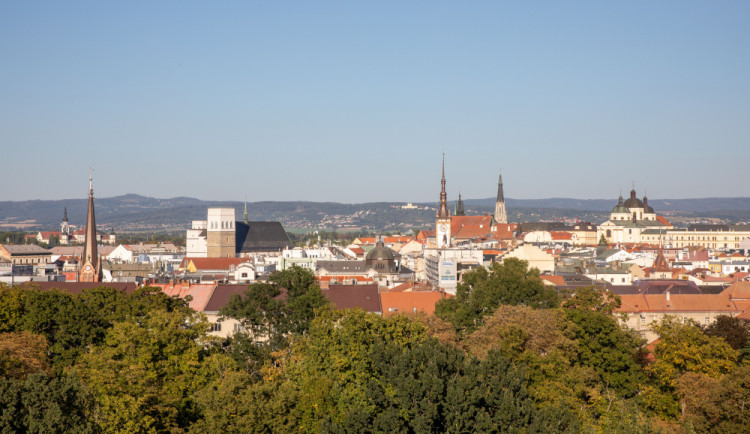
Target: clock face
pixel 443 227
pixel 88 268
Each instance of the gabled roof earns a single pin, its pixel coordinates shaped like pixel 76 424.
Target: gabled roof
pixel 632 303
pixel 346 267
pixel 663 220
pixel 199 293
pixel 261 237
pixel 553 280
pixel 559 235
pixel 25 249
pixel 477 223
pixel 355 296
pixel 405 302
pixel 223 292
pixel 213 263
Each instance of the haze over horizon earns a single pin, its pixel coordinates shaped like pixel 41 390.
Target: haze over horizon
pixel 352 103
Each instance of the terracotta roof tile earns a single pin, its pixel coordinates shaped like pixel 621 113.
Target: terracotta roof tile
pixel 415 301
pixel 355 296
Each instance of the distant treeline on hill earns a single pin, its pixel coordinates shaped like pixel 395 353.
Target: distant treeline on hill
pixel 134 212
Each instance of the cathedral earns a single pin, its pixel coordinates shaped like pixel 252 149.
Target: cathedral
pixel 629 219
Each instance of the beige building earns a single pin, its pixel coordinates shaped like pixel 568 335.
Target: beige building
pixel 25 254
pixel 220 235
pixel 536 257
pixel 644 309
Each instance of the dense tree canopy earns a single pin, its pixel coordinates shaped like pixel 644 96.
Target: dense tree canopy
pixel 501 357
pixel 483 290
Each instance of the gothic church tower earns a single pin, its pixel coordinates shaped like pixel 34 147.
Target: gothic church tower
pixel 443 219
pixel 90 269
pixel 501 217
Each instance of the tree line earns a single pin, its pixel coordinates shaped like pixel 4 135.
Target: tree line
pixel 506 354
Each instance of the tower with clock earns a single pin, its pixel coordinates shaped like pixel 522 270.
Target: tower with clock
pixel 443 218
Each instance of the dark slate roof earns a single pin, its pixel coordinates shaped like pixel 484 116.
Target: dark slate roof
pixel 365 297
pixel 343 266
pixel 261 237
pixel 662 286
pixel 78 287
pixel 223 292
pixel 624 289
pixel 701 227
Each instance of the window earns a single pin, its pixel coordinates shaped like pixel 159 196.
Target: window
pixel 244 275
pixel 216 327
pixel 708 320
pixel 643 320
pixel 239 328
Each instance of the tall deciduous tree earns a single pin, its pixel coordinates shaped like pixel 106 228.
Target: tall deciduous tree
pixel 482 291
pixel 144 373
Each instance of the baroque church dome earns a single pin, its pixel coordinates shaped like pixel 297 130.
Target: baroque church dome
pixel 633 202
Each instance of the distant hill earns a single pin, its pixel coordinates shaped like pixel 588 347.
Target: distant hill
pixel 660 205
pixel 134 212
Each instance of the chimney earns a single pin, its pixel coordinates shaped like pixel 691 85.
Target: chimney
pixel 668 294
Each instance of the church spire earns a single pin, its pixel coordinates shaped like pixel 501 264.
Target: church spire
pixel 244 216
pixel 443 211
pixel 90 269
pixel 65 214
pixel 460 206
pixel 501 215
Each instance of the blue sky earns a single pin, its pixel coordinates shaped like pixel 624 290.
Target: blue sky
pixel 355 101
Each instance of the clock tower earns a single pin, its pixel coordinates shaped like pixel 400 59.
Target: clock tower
pixel 443 219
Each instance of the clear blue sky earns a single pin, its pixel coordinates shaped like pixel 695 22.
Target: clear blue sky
pixel 354 101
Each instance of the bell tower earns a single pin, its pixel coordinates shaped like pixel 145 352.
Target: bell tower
pixel 443 218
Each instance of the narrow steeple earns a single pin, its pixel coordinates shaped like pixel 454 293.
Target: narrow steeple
pixel 90 267
pixel 244 216
pixel 459 206
pixel 443 210
pixel 65 214
pixel 501 215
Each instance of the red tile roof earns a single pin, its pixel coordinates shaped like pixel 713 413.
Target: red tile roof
pixel 404 302
pixel 199 293
pixel 559 235
pixel 355 296
pixel 554 280
pixel 663 220
pixel 632 303
pixel 213 263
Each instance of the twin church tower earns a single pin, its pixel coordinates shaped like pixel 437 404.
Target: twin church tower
pixel 443 218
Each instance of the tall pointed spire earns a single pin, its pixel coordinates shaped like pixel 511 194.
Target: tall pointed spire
pixel 65 214
pixel 90 266
pixel 501 215
pixel 459 206
pixel 443 210
pixel 244 216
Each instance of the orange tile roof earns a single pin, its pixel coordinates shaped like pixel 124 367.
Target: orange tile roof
pixel 357 250
pixel 663 220
pixel 483 222
pixel 560 235
pixel 471 232
pixel 214 263
pixel 410 286
pixel 554 280
pixel 404 302
pixel 632 303
pixel 200 293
